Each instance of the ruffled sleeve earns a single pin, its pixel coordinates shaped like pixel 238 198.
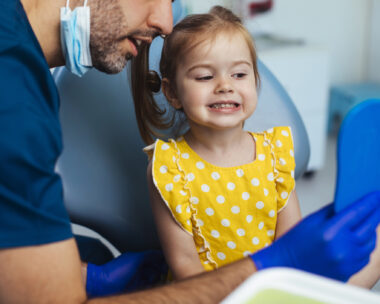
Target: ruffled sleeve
pixel 170 181
pixel 281 141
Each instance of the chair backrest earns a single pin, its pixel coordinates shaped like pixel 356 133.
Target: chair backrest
pixel 103 167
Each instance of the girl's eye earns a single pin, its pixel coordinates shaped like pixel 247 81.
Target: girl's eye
pixel 209 77
pixel 239 75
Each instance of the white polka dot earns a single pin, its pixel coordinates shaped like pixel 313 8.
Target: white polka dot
pixel 255 182
pixel 174 159
pixel 194 200
pixel 231 245
pixel 239 172
pixel 165 147
pixel 190 177
pixel 272 213
pixel 280 180
pixel 220 199
pixel 240 232
pixel 249 218
pixel 200 222
pixel 176 178
pixel 185 155
pixel 183 193
pixel 163 169
pixel 215 175
pixel 231 186
pixel 261 157
pixel 178 209
pixel 235 209
pixel 205 188
pixel 270 232
pixel 270 130
pixel 246 253
pixel 266 245
pixel 266 192
pixel 261 225
pixel 215 233
pixel 278 143
pixel 284 195
pixel 282 161
pixel 291 153
pixel 225 223
pixel 292 173
pixel 245 196
pixel 285 133
pixel 221 256
pixel 200 165
pixel 265 144
pixel 169 187
pixel 259 205
pixel 270 177
pixel 188 209
pixel 188 222
pixel 210 211
pixel 255 240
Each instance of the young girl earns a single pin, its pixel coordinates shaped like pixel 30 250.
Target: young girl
pixel 218 192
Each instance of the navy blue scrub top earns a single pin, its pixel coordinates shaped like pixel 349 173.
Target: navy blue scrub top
pixel 31 196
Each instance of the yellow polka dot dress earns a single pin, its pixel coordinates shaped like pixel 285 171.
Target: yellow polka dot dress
pixel 230 211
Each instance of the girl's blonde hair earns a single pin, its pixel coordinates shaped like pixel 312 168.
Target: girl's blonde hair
pixel 187 34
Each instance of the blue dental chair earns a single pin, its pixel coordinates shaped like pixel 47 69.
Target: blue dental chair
pixel 103 167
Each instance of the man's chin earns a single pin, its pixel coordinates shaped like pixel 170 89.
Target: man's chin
pixel 111 67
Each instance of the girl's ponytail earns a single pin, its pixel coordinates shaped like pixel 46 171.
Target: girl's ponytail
pixel 149 116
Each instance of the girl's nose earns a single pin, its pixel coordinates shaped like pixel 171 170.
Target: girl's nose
pixel 223 86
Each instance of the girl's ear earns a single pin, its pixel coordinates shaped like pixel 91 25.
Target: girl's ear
pixel 170 94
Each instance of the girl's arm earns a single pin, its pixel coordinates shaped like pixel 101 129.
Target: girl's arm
pixel 370 274
pixel 177 244
pixel 289 216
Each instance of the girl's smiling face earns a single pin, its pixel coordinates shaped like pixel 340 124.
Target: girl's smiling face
pixel 215 83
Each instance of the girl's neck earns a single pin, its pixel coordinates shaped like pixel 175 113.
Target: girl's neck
pixel 224 148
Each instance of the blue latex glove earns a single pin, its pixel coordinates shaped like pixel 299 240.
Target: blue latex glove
pixel 128 272
pixel 328 244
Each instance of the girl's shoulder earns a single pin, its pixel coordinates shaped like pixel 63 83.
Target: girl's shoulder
pixel 278 137
pixel 162 147
pixel 275 133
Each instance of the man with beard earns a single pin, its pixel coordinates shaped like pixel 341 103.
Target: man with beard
pixel 39 260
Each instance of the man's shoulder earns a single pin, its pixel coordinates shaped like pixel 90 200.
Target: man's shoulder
pixel 14 25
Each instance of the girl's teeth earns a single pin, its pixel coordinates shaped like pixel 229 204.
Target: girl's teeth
pixel 223 105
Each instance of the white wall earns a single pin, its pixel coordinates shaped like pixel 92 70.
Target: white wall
pixel 374 48
pixel 342 26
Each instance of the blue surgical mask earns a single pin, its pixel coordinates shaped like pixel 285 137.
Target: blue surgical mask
pixel 75 38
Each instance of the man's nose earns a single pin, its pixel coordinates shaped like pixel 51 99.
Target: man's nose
pixel 161 17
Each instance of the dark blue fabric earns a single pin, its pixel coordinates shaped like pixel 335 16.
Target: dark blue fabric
pixel 31 197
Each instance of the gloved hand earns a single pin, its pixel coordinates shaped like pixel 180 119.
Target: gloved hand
pixel 128 272
pixel 328 244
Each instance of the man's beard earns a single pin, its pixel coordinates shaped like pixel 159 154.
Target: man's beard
pixel 108 24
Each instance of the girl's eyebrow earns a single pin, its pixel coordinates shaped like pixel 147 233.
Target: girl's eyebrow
pixel 209 65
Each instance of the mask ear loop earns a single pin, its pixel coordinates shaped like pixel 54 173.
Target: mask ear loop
pixel 85 3
pixel 67 5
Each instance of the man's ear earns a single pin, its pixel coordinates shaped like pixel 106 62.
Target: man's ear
pixel 170 94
